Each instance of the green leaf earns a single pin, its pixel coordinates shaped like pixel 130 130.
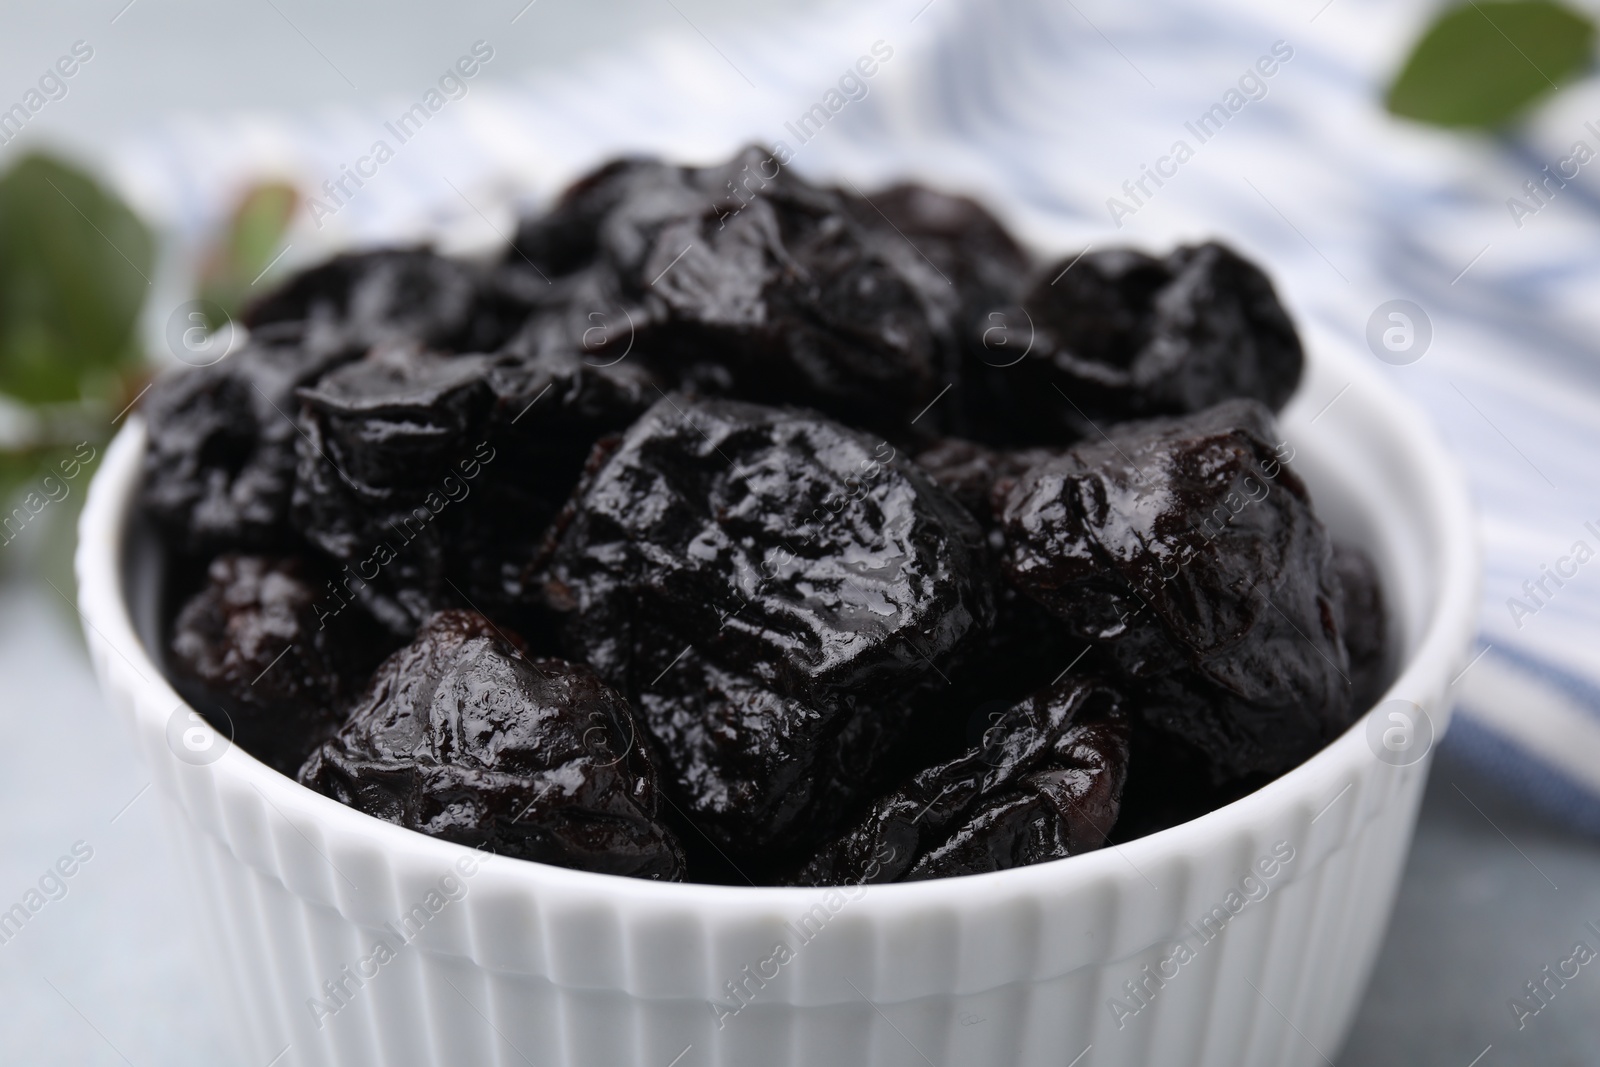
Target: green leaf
pixel 1481 64
pixel 231 267
pixel 75 267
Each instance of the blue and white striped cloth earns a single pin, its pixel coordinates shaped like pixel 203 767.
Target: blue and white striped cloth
pixel 1050 110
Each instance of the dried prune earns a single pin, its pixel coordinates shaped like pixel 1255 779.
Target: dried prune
pixel 966 245
pixel 1026 649
pixel 395 416
pixel 219 469
pixel 266 644
pixel 969 269
pixel 461 736
pixel 1187 551
pixel 396 294
pixel 1043 782
pixel 570 378
pixel 434 477
pixel 974 474
pixel 1364 623
pixel 390 443
pixel 567 238
pixel 744 758
pixel 746 274
pixel 1124 335
pixel 818 577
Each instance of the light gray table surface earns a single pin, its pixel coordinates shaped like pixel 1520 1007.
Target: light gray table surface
pixel 114 971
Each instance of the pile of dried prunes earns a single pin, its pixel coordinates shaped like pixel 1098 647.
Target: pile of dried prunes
pixel 733 528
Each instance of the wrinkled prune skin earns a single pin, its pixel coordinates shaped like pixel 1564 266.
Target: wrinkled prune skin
pixel 394 415
pixel 257 643
pixel 1364 623
pixel 966 246
pixel 801 304
pixel 223 441
pixel 1027 647
pixel 461 736
pixel 818 578
pixel 566 238
pixel 979 476
pixel 1187 552
pixel 457 463
pixel 1123 335
pixel 962 254
pixel 772 537
pixel 1043 782
pixel 384 466
pixel 397 294
pixel 744 758
pixel 219 468
pixel 558 388
pixel 748 281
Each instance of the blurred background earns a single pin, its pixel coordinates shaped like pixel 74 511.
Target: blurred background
pixel 163 161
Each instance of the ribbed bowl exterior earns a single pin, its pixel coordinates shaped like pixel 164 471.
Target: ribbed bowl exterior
pixel 1241 938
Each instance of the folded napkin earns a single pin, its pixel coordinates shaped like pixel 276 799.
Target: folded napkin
pixel 1059 114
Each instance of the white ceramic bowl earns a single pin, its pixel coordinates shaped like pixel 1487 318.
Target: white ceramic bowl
pixel 1279 900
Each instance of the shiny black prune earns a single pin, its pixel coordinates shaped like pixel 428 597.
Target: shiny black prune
pixel 396 415
pixel 744 758
pixel 1027 647
pixel 1124 335
pixel 266 645
pixel 567 238
pixel 974 474
pixel 435 476
pixel 969 269
pixel 753 281
pixel 557 391
pixel 396 294
pixel 1364 623
pixel 966 245
pixel 219 468
pixel 1043 781
pixel 1187 552
pixel 461 736
pixel 818 577
pixel 390 447
pixel 800 304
